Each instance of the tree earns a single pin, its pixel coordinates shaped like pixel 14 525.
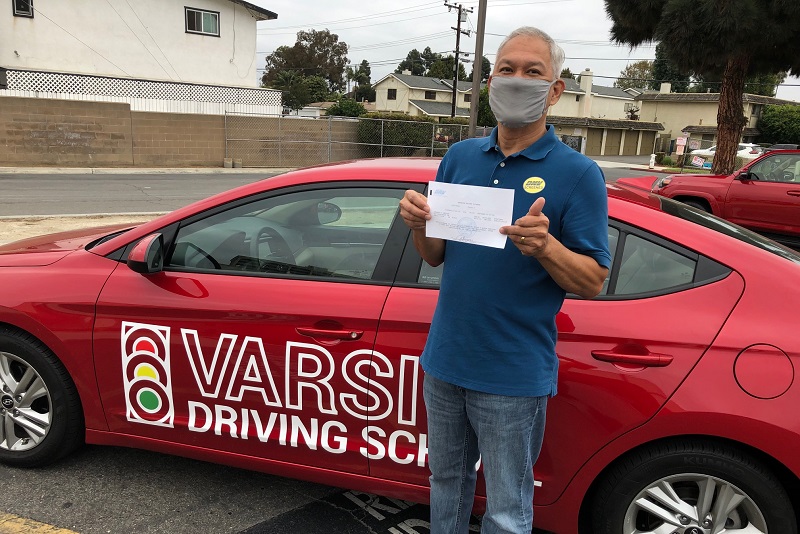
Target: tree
pixel 363 73
pixel 635 75
pixel 566 73
pixel 486 69
pixel 665 71
pixel 413 62
pixel 346 107
pixel 780 124
pixel 429 57
pixel 364 92
pixel 317 88
pixel 716 38
pixel 764 84
pixel 485 115
pixel 443 68
pixel 315 53
pixel 294 91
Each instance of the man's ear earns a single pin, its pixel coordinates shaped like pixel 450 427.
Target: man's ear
pixel 489 82
pixel 556 91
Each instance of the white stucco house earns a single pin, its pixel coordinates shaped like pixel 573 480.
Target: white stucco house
pixel 421 95
pixel 201 51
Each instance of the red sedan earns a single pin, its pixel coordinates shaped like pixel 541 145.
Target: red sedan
pixel 278 327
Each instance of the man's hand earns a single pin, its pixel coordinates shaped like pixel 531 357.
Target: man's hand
pixel 414 210
pixel 530 233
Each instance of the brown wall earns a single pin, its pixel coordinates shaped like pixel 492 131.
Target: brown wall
pixel 40 132
pixel 177 140
pixel 66 133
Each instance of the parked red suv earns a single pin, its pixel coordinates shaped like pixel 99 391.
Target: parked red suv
pixel 763 196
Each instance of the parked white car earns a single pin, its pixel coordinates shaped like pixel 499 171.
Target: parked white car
pixel 746 150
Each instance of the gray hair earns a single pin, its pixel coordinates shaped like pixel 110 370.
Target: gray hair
pixel 556 52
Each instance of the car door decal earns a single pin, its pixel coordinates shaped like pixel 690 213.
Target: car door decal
pixel 238 367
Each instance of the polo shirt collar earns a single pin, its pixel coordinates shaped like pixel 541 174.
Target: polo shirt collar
pixel 536 151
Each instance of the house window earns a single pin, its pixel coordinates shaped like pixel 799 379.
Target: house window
pixel 204 22
pixel 392 94
pixel 430 95
pixel 23 8
pixel 467 98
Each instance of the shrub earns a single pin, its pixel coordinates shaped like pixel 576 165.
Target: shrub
pixel 660 158
pixel 400 134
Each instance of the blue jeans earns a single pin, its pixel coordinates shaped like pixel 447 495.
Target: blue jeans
pixel 505 433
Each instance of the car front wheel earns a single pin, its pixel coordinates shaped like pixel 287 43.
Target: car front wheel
pixel 692 488
pixel 40 414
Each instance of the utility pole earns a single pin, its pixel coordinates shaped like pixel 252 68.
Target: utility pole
pixel 477 69
pixel 462 11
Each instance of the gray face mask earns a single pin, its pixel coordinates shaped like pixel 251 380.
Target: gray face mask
pixel 517 102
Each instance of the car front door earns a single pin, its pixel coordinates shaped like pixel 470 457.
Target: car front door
pixel 769 200
pixel 255 339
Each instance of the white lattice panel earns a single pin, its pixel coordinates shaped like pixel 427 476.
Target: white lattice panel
pixel 60 83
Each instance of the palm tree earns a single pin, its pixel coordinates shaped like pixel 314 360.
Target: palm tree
pixel 723 39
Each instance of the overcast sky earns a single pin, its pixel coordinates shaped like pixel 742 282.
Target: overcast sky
pixel 383 31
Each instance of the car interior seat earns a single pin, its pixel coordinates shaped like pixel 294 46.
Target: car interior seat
pixel 797 171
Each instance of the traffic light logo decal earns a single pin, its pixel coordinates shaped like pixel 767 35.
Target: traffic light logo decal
pixel 147 379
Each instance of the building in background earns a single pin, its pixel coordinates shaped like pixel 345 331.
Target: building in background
pixel 156 55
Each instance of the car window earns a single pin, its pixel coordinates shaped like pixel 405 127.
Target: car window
pixel 648 267
pixel 642 265
pixel 778 168
pixel 330 233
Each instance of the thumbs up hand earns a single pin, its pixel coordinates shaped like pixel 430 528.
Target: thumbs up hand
pixel 530 233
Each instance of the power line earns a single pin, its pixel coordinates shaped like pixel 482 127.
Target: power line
pixel 407 9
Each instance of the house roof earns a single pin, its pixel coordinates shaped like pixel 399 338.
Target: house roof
pixel 708 97
pixel 439 109
pixel 427 82
pixel 258 13
pixel 574 87
pixel 604 123
pixel 713 130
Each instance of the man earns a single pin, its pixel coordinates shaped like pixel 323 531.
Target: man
pixel 490 362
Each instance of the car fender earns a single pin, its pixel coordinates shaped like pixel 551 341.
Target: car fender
pixel 682 194
pixel 672 422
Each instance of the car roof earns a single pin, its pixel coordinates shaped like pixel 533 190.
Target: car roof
pixel 401 170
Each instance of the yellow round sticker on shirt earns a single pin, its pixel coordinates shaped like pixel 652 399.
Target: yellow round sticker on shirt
pixel 534 184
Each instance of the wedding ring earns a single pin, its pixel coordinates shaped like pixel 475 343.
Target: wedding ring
pixel 521 239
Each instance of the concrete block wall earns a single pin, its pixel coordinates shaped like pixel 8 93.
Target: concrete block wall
pixel 178 140
pixel 42 132
pixel 68 133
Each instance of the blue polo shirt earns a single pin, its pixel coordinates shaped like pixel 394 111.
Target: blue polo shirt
pixel 494 327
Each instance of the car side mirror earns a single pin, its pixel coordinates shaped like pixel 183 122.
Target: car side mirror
pixel 328 212
pixel 147 256
pixel 745 175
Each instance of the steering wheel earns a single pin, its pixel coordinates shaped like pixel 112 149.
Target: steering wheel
pixel 279 249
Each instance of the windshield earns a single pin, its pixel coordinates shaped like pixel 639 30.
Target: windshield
pixel 679 209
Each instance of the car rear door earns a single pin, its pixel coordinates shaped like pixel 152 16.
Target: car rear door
pixel 621 355
pixel 256 337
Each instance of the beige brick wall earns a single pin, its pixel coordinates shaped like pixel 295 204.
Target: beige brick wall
pixel 41 132
pixel 66 133
pixel 177 140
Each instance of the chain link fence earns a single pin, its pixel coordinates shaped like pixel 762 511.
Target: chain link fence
pixel 285 141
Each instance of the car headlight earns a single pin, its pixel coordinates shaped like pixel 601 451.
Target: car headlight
pixel 661 182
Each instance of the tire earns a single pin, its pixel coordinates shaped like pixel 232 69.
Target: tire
pixel 626 500
pixel 697 205
pixel 40 412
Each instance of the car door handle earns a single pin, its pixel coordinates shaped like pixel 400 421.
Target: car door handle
pixel 347 335
pixel 793 193
pixel 645 360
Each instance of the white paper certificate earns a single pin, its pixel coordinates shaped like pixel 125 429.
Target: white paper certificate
pixel 469 213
